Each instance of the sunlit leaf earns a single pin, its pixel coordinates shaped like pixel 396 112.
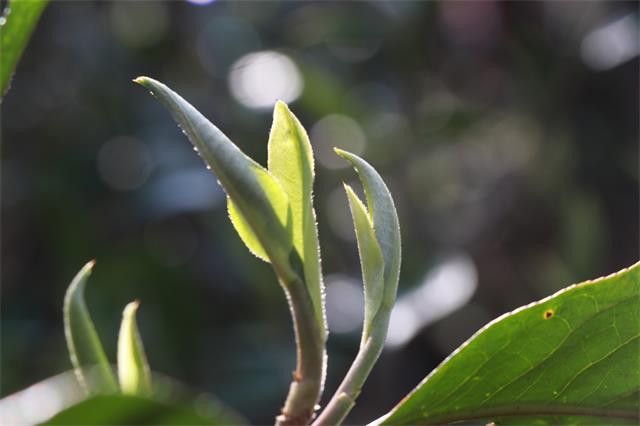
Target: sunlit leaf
pixel 291 163
pixel 245 232
pixel 133 368
pixel 370 259
pixel 256 194
pixel 15 31
pixel 571 358
pixel 85 349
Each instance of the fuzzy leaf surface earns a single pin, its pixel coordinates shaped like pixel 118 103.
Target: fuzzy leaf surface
pixel 290 161
pixel 385 223
pixel 572 358
pixel 85 349
pixel 133 368
pixel 259 203
pixel 371 259
pixel 246 234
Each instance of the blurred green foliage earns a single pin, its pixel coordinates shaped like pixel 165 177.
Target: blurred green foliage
pixel 108 410
pixel 17 21
pixel 498 134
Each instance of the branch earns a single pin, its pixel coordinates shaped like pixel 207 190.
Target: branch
pixel 345 397
pixel 305 389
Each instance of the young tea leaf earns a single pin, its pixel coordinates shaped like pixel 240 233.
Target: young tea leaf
pixel 245 232
pixel 571 358
pixel 260 205
pixel 133 368
pixel 291 163
pixel 371 259
pixel 378 234
pixel 382 211
pixel 85 349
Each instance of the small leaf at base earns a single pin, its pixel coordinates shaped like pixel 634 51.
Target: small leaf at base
pixel 85 349
pixel 133 368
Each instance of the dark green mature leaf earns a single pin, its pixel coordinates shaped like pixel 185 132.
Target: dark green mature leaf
pixel 291 163
pixel 260 209
pixel 133 368
pixel 115 410
pixel 85 349
pixel 572 358
pixel 17 24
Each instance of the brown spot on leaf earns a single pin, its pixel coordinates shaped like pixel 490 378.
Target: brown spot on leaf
pixel 548 313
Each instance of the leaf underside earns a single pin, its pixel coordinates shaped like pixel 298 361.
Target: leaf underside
pixel 572 358
pixel 260 210
pixel 383 215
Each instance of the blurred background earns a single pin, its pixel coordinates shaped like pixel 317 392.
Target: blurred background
pixel 507 133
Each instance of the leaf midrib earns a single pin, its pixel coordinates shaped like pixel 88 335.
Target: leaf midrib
pixel 533 411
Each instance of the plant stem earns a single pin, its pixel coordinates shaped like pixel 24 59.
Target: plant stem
pixel 305 389
pixel 345 397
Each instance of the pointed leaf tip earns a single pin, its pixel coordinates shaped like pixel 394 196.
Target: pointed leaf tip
pixel 257 196
pixel 133 368
pixel 290 161
pixel 87 355
pixel 382 211
pixel 142 80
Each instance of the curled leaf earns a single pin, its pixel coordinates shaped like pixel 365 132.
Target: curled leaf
pixel 85 349
pixel 133 368
pixel 371 259
pixel 260 205
pixel 378 234
pixel 385 223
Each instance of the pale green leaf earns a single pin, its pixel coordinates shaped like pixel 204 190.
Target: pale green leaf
pixel 572 358
pixel 15 33
pixel 385 223
pixel 245 232
pixel 133 368
pixel 291 163
pixel 85 349
pixel 370 260
pixel 256 194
